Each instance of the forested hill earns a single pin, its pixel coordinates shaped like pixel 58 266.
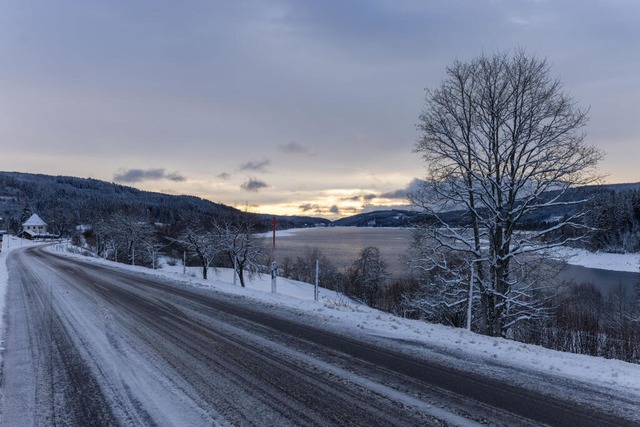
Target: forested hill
pixel 610 200
pixel 381 218
pixel 68 201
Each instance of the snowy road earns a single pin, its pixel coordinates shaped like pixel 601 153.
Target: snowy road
pixel 91 345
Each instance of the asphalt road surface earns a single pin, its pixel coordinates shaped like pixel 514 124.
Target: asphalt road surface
pixel 91 345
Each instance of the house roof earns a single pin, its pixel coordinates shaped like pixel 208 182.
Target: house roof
pixel 34 220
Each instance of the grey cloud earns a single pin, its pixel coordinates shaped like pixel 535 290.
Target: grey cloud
pixel 175 176
pixel 137 175
pixel 362 197
pixel 307 207
pixel 254 185
pixel 403 193
pixel 224 175
pixel 350 210
pixel 322 210
pixel 295 148
pixel 255 166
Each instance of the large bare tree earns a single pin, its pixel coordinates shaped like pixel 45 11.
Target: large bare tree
pixel 131 230
pixel 501 139
pixel 199 239
pixel 243 247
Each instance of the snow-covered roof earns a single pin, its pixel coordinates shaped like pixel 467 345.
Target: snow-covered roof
pixel 34 220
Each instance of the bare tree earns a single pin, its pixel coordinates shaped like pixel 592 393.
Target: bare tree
pixel 367 276
pixel 445 299
pixel 102 233
pixel 200 240
pixel 244 249
pixel 500 139
pixel 153 247
pixel 131 230
pixel 58 221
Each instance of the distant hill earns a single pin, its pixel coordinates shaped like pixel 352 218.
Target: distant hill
pixel 74 201
pixel 382 218
pixel 406 218
pixel 65 202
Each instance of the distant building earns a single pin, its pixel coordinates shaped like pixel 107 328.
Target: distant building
pixel 34 228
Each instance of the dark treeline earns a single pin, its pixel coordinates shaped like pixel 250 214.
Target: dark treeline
pixel 571 317
pixel 67 202
pixel 615 219
pixel 580 319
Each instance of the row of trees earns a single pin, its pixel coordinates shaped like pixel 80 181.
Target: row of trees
pixel 126 237
pixel 572 317
pixel 583 320
pixel 231 238
pixel 225 241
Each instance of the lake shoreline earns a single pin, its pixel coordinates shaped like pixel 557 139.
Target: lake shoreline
pixel 343 244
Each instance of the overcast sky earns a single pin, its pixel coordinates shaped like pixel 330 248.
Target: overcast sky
pixel 284 106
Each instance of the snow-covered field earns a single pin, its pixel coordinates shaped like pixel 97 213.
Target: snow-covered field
pixel 601 260
pixel 336 312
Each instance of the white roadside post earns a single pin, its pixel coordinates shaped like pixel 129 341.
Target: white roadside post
pixel 274 265
pixel 469 312
pixel 315 289
pixel 274 275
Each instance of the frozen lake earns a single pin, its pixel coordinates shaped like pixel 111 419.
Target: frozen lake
pixel 343 244
pixel 605 280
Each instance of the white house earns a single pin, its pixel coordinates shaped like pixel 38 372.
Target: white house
pixel 34 228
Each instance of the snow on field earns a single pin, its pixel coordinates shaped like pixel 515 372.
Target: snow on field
pixel 601 260
pixel 336 312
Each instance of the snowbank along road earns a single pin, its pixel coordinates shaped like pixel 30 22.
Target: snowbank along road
pixel 92 345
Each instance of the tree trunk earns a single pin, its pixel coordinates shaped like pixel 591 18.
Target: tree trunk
pixel 240 272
